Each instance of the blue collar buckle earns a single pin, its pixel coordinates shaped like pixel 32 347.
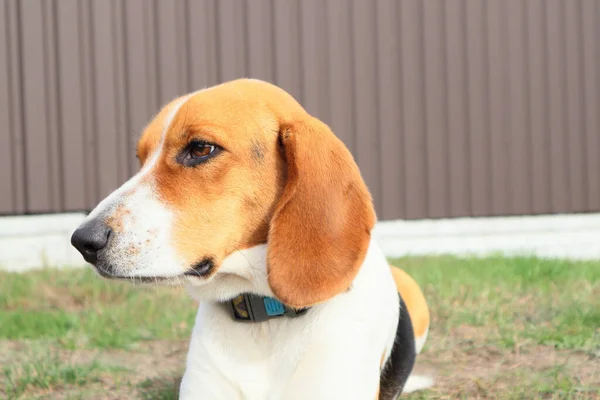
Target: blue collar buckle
pixel 248 307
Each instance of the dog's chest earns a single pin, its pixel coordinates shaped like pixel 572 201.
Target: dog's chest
pixel 245 360
pixel 313 356
pixel 333 351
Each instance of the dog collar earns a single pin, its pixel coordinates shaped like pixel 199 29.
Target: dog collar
pixel 248 307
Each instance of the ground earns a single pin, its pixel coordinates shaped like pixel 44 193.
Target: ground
pixel 502 328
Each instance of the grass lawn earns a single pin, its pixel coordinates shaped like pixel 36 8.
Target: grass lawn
pixel 502 328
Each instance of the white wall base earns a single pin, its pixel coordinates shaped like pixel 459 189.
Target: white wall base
pixel 36 241
pixel 28 242
pixel 571 236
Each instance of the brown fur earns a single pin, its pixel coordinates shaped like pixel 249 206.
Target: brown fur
pixel 320 232
pixel 414 299
pixel 307 199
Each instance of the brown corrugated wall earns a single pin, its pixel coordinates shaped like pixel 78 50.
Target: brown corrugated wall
pixel 451 108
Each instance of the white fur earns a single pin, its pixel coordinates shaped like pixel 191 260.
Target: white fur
pixel 417 382
pixel 420 341
pixel 332 352
pixel 143 246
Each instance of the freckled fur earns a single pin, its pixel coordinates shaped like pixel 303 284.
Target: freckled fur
pixel 115 220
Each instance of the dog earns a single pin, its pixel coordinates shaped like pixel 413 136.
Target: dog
pixel 261 211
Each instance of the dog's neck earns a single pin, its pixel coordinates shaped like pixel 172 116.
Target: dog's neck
pixel 249 308
pixel 288 357
pixel 244 271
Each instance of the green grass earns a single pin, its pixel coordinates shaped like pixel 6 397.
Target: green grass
pixel 539 319
pixel 80 309
pixel 536 322
pixel 549 302
pixel 159 389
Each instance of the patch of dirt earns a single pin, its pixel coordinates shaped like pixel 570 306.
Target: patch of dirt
pixel 59 299
pixel 53 298
pixel 462 366
pixel 465 368
pixel 151 360
pixel 151 366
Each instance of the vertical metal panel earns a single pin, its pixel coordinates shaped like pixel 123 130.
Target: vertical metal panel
pixel 17 125
pixel 150 13
pixel 498 97
pixel 341 90
pixel 110 164
pixel 436 112
pixel 538 107
pixel 451 108
pixel 478 119
pixel 315 59
pixel 261 54
pixel 415 154
pixel 202 39
pixel 124 150
pixel 138 87
pixel 518 167
pixel 575 131
pixel 88 92
pixel 52 106
pixel 591 77
pixel 7 203
pixel 559 166
pixel 35 112
pixel 231 39
pixel 389 110
pixel 365 102
pixel 459 202
pixel 171 51
pixel 70 99
pixel 288 59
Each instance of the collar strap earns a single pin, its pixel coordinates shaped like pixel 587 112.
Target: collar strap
pixel 249 307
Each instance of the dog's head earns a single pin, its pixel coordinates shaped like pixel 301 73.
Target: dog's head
pixel 227 168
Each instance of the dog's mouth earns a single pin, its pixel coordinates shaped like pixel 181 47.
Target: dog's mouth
pixel 200 270
pixel 108 273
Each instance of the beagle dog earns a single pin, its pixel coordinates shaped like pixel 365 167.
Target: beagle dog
pixel 262 212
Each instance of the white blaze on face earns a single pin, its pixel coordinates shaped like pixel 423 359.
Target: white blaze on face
pixel 140 244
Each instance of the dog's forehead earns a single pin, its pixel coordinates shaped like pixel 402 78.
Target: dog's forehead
pixel 213 109
pixel 232 104
pixel 241 106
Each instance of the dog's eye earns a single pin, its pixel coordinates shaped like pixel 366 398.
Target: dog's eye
pixel 197 152
pixel 200 150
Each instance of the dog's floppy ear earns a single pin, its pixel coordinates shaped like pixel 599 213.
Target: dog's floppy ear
pixel 321 227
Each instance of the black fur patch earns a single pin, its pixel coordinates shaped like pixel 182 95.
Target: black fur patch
pixel 402 359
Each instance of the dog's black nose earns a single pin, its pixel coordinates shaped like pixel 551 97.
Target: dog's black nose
pixel 90 238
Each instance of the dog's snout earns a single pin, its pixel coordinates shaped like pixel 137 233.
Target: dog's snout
pixel 90 238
